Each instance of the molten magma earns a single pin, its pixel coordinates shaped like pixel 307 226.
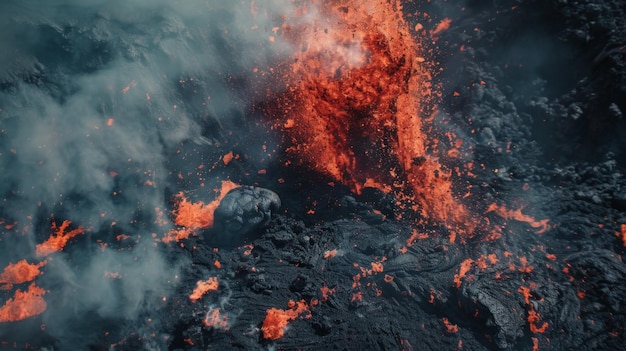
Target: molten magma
pixel 18 273
pixel 276 320
pixel 215 319
pixel 58 239
pixel 29 303
pixel 203 287
pixel 198 215
pixel 502 211
pixel 24 304
pixel 355 94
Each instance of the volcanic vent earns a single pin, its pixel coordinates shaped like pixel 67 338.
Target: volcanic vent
pixel 329 174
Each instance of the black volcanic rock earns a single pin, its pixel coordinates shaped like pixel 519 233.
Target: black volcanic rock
pixel 109 107
pixel 245 209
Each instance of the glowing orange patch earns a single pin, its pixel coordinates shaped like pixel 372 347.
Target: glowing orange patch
pixel 199 215
pixel 215 319
pixel 23 304
pixel 533 318
pixel 330 253
pixel 352 104
pixel 526 293
pixel 517 215
pixel 414 237
pixel 228 157
pixel 203 287
pixel 326 292
pixel 276 320
pixel 177 235
pixel 357 296
pixel 377 267
pixel 20 272
pixel 58 239
pixel 442 26
pixel 463 269
pixel 451 328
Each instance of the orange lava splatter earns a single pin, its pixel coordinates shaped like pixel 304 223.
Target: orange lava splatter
pixel 353 100
pixel 202 287
pixel 415 235
pixel 463 269
pixel 228 157
pixel 276 320
pixel 451 328
pixel 442 26
pixel 526 293
pixel 20 272
pixel 535 344
pixel 517 215
pixel 377 267
pixel 24 304
pixel 177 235
pixel 199 215
pixel 533 319
pixel 357 296
pixel 58 239
pixel 215 319
pixel 330 254
pixel 326 292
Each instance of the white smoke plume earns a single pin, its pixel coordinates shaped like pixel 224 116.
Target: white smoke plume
pixel 92 101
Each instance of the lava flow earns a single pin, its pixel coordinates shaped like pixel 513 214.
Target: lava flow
pixel 30 302
pixel 358 92
pixel 195 215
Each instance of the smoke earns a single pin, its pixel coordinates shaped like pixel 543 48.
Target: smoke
pixel 94 97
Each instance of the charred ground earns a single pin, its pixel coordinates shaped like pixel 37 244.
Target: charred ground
pixel 537 88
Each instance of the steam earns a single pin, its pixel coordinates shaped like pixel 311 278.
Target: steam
pixel 92 102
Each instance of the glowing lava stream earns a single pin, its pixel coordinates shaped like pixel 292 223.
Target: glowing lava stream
pixel 353 93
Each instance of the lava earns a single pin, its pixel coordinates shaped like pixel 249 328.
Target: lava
pixel 19 272
pixel 358 95
pixel 276 319
pixel 203 287
pixel 58 239
pixel 215 319
pixel 24 304
pixel 198 215
pixel 540 225
pixel 195 215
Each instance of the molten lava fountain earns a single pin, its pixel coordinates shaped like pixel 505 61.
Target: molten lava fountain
pixel 357 96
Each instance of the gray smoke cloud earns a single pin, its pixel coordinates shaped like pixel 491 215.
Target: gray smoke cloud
pixel 91 104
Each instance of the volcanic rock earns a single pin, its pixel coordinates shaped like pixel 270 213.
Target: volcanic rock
pixel 244 210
